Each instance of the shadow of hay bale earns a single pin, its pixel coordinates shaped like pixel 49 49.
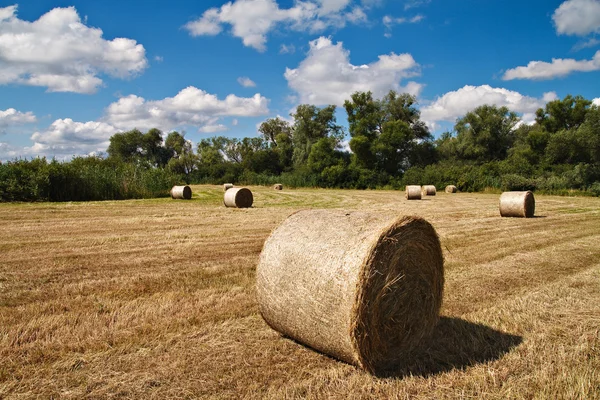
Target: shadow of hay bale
pixel 456 344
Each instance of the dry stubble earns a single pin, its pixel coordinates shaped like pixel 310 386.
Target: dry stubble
pixel 156 299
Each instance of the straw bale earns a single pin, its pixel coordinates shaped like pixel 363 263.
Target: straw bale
pixel 364 288
pixel 227 186
pixel 451 189
pixel 413 192
pixel 278 186
pixel 517 204
pixel 238 197
pixel 181 192
pixel 428 190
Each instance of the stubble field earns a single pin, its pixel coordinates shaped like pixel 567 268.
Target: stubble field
pixel 155 299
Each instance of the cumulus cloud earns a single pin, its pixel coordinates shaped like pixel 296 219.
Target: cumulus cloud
pixel 596 101
pixel 577 17
pixel 557 68
pixel 191 106
pixel 252 20
pixel 246 82
pixel 11 117
pixel 326 75
pixel 455 104
pixel 61 53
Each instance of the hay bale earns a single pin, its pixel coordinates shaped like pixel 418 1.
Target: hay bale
pixel 364 288
pixel 413 192
pixel 278 186
pixel 181 192
pixel 451 189
pixel 428 190
pixel 238 197
pixel 227 186
pixel 517 204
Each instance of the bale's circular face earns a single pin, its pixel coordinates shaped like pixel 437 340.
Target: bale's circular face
pixel 399 301
pixel 244 198
pixel 187 192
pixel 529 205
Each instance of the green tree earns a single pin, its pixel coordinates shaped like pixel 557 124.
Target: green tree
pixel 387 135
pixel 567 113
pixel 311 124
pixel 486 133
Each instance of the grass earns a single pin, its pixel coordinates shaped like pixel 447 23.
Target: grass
pixel 155 299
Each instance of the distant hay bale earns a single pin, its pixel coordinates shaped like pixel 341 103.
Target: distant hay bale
pixel 227 186
pixel 517 204
pixel 451 189
pixel 413 192
pixel 238 197
pixel 278 186
pixel 364 288
pixel 181 192
pixel 428 190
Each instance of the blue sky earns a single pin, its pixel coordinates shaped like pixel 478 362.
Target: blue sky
pixel 72 73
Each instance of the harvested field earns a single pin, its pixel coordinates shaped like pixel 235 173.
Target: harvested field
pixel 156 299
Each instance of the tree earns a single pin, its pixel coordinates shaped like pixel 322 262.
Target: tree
pixel 486 133
pixel 567 113
pixel 182 158
pixel 135 146
pixel 311 124
pixel 387 135
pixel 273 127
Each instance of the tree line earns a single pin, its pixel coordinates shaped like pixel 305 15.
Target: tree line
pixel 389 146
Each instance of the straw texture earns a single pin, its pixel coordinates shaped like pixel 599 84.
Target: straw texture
pixel 517 204
pixel 364 288
pixel 238 197
pixel 278 186
pixel 181 192
pixel 451 189
pixel 428 190
pixel 413 192
pixel 227 186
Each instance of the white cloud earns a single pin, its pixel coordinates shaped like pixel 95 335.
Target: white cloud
pixel 455 104
pixel 285 49
pixel 92 135
pixel 158 58
pixel 252 20
pixel 326 76
pixel 577 17
pixel 191 106
pixel 11 117
pixel 390 21
pixel 63 139
pixel 59 52
pixel 415 3
pixel 246 82
pixel 557 68
pixel 212 128
pixel 596 101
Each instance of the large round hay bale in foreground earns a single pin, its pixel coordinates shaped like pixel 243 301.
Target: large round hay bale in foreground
pixel 227 186
pixel 238 197
pixel 428 190
pixel 181 192
pixel 451 189
pixel 278 186
pixel 413 192
pixel 364 288
pixel 517 204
